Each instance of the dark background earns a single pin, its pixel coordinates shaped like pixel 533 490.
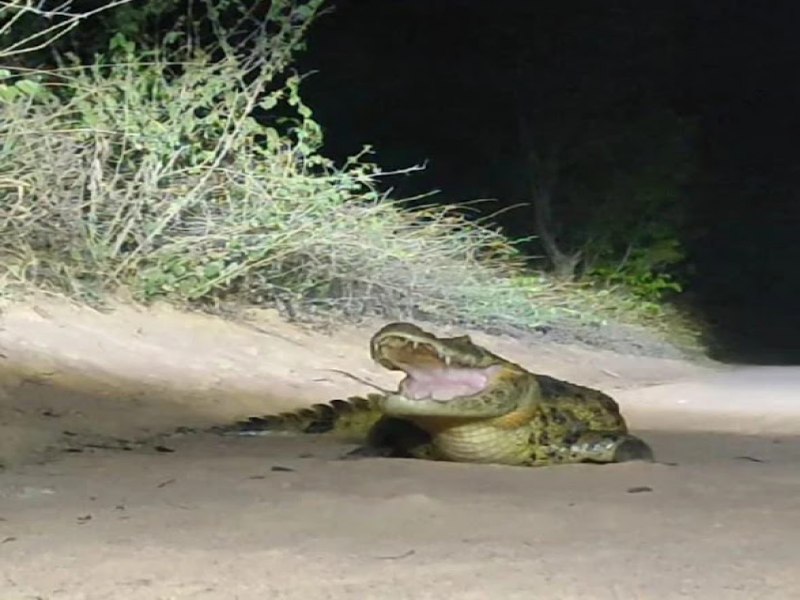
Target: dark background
pixel 426 80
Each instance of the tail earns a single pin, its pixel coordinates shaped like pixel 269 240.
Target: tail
pixel 349 419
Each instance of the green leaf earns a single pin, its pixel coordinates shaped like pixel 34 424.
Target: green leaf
pixel 212 270
pixel 30 88
pixel 269 102
pixel 8 93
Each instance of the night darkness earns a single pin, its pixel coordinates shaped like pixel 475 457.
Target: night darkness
pixel 437 81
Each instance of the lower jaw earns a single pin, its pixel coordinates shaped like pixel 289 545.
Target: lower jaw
pixel 415 408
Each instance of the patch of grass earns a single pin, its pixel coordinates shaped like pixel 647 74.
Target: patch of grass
pixel 595 303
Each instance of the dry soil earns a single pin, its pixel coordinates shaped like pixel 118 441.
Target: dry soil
pixel 207 517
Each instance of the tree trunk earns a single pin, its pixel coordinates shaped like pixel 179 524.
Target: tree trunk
pixel 564 264
pixel 543 172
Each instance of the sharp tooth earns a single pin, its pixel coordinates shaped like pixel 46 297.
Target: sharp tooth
pixel 447 360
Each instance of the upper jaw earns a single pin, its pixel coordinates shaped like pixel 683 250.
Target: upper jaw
pixel 389 351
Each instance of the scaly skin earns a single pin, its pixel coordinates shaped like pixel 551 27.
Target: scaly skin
pixel 460 402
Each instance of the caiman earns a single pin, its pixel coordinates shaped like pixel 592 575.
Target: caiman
pixel 460 402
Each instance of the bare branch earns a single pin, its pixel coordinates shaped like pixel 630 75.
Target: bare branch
pixel 50 34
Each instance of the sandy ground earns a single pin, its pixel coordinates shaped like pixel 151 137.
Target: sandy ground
pixel 280 517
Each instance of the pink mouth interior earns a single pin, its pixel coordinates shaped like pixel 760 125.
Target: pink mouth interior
pixel 444 384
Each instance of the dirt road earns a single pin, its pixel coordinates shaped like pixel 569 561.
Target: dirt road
pixel 216 518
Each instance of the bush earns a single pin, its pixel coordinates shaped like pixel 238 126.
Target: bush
pixel 643 271
pixel 155 175
pixel 195 174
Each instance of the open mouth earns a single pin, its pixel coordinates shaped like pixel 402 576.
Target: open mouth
pixel 430 374
pixel 444 384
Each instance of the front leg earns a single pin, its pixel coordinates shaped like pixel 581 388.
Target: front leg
pixel 598 447
pixel 610 447
pixel 397 438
